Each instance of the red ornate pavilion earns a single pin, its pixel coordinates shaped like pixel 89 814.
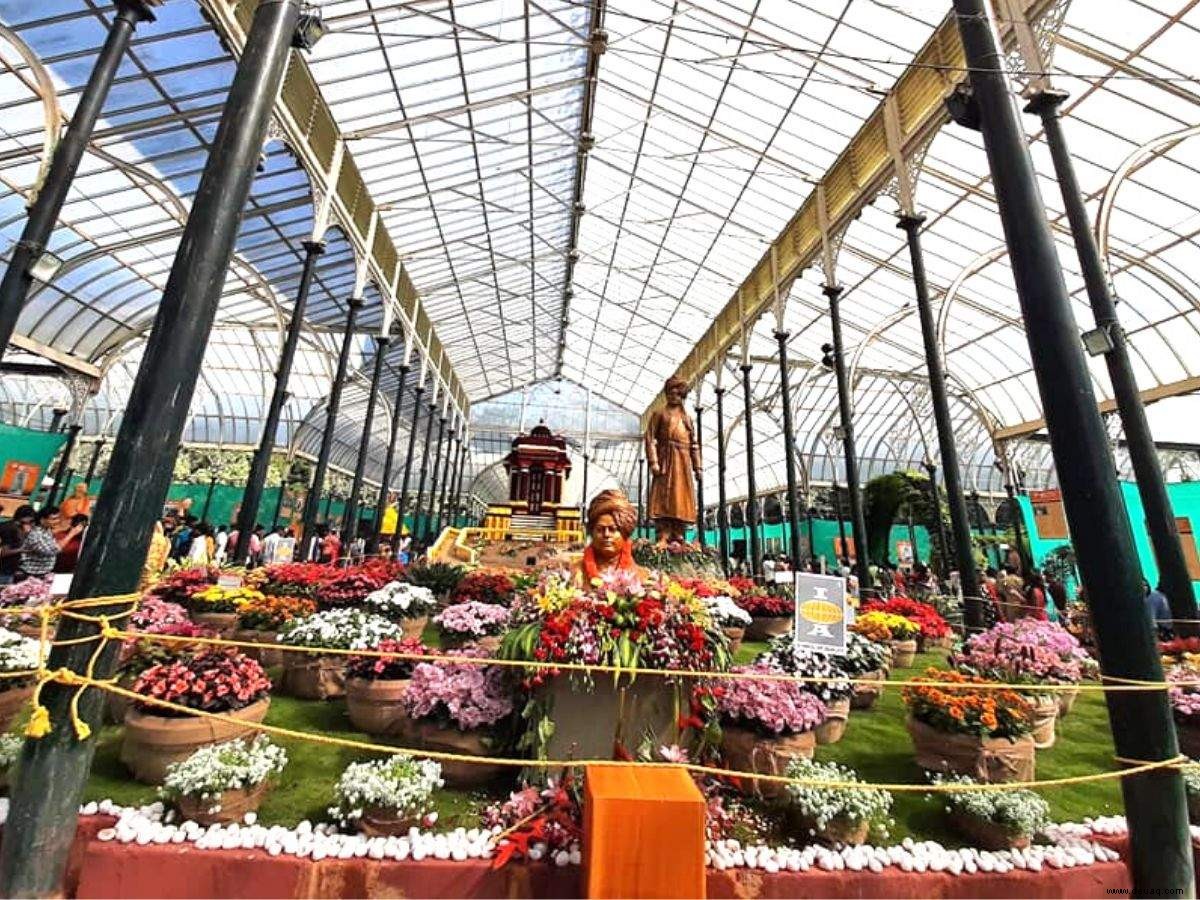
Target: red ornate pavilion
pixel 537 466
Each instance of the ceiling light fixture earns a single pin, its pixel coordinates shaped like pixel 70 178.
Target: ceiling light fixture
pixel 310 28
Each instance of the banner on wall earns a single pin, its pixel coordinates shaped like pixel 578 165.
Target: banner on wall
pixel 1049 517
pixel 25 457
pixel 1187 540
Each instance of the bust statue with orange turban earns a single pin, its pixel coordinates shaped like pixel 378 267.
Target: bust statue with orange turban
pixel 611 519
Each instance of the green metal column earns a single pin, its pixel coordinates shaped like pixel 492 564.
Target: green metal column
pixel 350 518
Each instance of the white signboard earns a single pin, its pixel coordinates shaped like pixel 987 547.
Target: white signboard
pixel 820 613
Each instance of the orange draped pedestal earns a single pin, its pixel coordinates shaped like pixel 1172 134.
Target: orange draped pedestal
pixel 643 833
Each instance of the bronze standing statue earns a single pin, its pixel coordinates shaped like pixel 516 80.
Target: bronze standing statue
pixel 674 457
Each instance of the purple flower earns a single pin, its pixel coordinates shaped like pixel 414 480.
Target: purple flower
pixel 472 619
pixel 466 696
pixel 771 705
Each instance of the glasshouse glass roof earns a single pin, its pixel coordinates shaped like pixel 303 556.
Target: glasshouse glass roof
pixel 575 199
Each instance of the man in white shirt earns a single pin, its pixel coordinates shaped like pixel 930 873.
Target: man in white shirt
pixel 271 545
pixel 222 541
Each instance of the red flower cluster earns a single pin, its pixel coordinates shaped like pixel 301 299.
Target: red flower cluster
pixel 485 586
pixel 296 579
pixel 929 619
pixel 349 587
pixel 178 586
pixel 1179 646
pixel 743 584
pixel 761 603
pixel 382 570
pixel 210 681
pixel 388 668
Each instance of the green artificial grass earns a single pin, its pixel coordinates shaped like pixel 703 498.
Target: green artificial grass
pixel 876 745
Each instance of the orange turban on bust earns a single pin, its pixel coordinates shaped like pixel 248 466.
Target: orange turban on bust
pixel 617 505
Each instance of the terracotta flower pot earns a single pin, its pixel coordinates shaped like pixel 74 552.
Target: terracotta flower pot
pixel 984 759
pixel 234 804
pixel 763 628
pixel 431 736
pixel 837 713
pixel 1066 701
pixel 985 834
pixel 414 628
pixel 378 822
pixel 311 677
pixel 374 706
pixel 865 695
pixel 266 656
pixel 151 743
pixel 904 653
pixel 1045 712
pixel 12 701
pixel 224 624
pixel 837 831
pixel 749 751
pixel 735 634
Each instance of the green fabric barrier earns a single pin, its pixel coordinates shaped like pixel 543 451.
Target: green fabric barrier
pixel 29 447
pixel 1185 501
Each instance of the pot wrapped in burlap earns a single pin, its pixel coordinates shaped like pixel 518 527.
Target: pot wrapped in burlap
pixel 985 834
pixel 749 751
pixel 1045 714
pixel 311 677
pixel 994 760
pixel 837 714
pixel 865 694
pixel 231 806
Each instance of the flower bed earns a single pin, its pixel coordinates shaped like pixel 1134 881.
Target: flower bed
pixel 864 659
pixel 218 607
pixel 19 604
pixel 179 585
pixel 933 628
pixel 440 578
pixel 346 589
pixel 407 604
pixel 293 579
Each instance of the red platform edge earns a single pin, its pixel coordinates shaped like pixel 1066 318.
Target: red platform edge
pixel 112 869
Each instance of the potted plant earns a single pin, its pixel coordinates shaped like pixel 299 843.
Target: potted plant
pixel 459 708
pixel 375 685
pixel 770 614
pixel 213 681
pixel 766 722
pixel 994 820
pixel 472 622
pixel 292 579
pixel 485 586
pixel 960 728
pixel 19 660
pixel 178 585
pixel 1012 654
pixel 864 665
pixel 261 618
pixel 732 618
pixel 441 578
pixel 1185 707
pixel 1057 639
pixel 387 796
pixel 141 653
pixel 901 635
pixel 10 750
pixel 19 605
pixel 825 675
pixel 217 607
pixel 1191 783
pixel 934 630
pixel 408 605
pixel 835 815
pixel 322 676
pixel 222 782
pixel 347 588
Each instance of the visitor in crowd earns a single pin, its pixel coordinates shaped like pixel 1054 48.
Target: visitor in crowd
pixel 312 545
pixel 1159 609
pixel 156 556
pixel 78 504
pixel 12 535
pixel 768 565
pixel 68 556
pixel 255 546
pixel 271 542
pixel 331 547
pixel 1033 605
pixel 989 588
pixel 1012 594
pixel 221 542
pixel 40 547
pixel 197 553
pixel 181 541
pixel 1058 594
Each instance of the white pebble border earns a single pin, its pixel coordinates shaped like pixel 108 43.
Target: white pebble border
pixel 1071 845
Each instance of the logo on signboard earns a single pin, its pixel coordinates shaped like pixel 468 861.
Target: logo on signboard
pixel 820 613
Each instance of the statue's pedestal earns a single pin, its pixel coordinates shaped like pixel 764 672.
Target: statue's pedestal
pixel 587 724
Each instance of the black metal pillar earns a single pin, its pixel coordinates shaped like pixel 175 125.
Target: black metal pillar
pixel 212 486
pixel 97 449
pixel 857 522
pixel 1018 528
pixel 700 479
pixel 641 471
pixel 43 212
pixel 451 452
pixel 328 507
pixel 418 531
pixel 60 471
pixel 1141 722
pixel 936 502
pixel 964 555
pixel 755 554
pixel 789 450
pixel 402 503
pixel 458 478
pixel 331 414
pixel 583 497
pixel 56 420
pixel 722 501
pixel 252 495
pixel 809 514
pixel 52 771
pixel 844 556
pixel 385 483
pixel 1152 489
pixel 350 519
pixel 438 457
pixel 278 506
